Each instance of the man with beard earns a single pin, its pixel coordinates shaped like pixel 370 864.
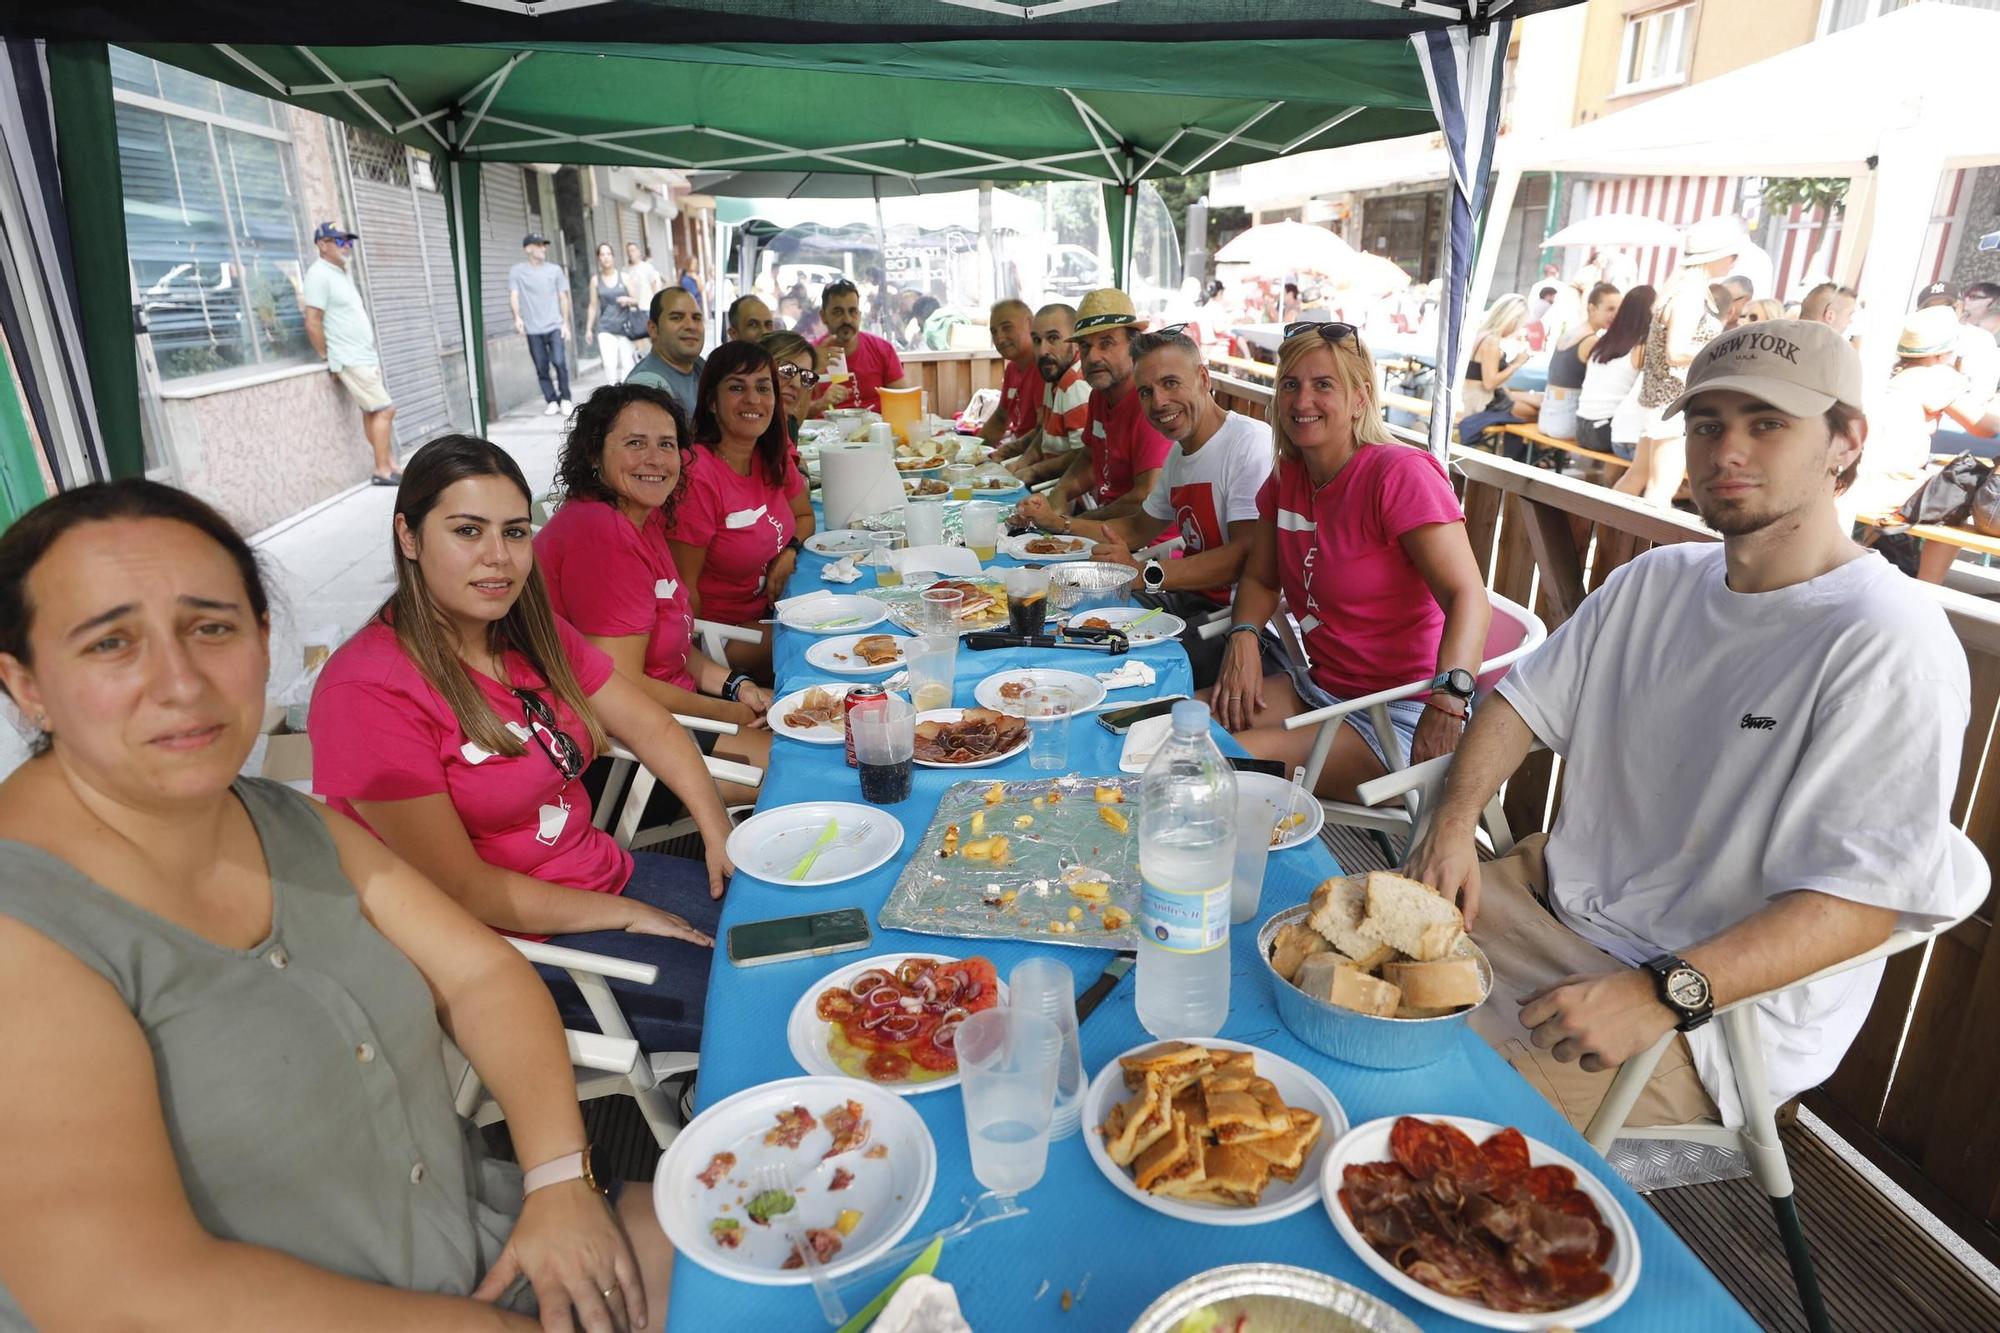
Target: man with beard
pixel 1208 492
pixel 871 360
pixel 1011 428
pixel 1065 398
pixel 1760 740
pixel 678 330
pixel 1123 451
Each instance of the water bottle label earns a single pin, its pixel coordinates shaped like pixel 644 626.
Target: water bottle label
pixel 1184 920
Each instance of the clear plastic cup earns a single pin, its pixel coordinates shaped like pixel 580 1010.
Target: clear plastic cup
pixel 1007 1065
pixel 1046 987
pixel 923 520
pixel 959 475
pixel 980 522
pixel 1027 598
pixel 1256 817
pixel 940 610
pixel 884 749
pixel 933 665
pixel 882 548
pixel 1048 729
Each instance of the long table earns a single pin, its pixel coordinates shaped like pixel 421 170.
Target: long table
pixel 1083 1236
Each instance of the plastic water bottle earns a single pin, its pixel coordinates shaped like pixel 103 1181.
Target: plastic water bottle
pixel 1187 847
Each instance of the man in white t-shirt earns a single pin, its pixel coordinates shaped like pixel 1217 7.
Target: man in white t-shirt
pixel 1207 493
pixel 1760 743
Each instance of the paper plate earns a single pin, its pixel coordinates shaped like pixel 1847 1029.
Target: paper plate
pixel 839 657
pixel 1162 627
pixel 1287 797
pixel 767 845
pixel 890 1190
pixel 1018 547
pixel 1370 1143
pixel 1084 691
pixel 1282 1198
pixel 834 733
pixel 839 614
pixel 953 715
pixel 806 1032
pixel 839 542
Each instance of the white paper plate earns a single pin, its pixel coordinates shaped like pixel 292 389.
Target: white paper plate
pixel 768 844
pixel 997 492
pixel 1164 627
pixel 840 614
pixel 831 734
pixel 889 1192
pixel 953 715
pixel 1084 691
pixel 806 1032
pixel 839 542
pixel 1282 1198
pixel 1018 547
pixel 839 657
pixel 1283 794
pixel 1370 1143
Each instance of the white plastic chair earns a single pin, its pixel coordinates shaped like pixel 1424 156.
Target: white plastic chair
pixel 632 807
pixel 1742 1035
pixel 716 638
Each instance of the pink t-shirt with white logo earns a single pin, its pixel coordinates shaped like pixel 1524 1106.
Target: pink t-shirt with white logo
pixel 1122 443
pixel 380 732
pixel 1367 616
pixel 743 522
pixel 873 363
pixel 613 580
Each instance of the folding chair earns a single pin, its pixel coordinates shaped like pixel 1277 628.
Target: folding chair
pixel 1757 1138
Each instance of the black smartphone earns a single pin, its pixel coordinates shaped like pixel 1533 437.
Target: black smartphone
pixel 1121 720
pixel 1241 764
pixel 787 937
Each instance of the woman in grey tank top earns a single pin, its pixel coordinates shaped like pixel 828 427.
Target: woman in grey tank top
pixel 224 1104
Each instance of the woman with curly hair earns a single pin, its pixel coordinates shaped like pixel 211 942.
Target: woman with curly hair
pixel 611 574
pixel 738 528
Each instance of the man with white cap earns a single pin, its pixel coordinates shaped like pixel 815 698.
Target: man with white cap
pixel 1685 318
pixel 1760 741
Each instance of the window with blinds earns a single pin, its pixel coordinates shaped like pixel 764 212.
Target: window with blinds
pixel 212 224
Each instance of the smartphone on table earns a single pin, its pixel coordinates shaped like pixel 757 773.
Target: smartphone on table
pixel 1244 764
pixel 1118 721
pixel 787 937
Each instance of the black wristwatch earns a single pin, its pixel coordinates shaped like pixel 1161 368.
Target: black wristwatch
pixel 737 680
pixel 1153 575
pixel 1457 682
pixel 795 546
pixel 1683 989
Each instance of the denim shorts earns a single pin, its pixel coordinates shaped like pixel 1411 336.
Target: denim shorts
pixel 1403 714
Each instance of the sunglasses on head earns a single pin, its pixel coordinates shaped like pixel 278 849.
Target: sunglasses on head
pixel 1171 330
pixel 805 377
pixel 1328 329
pixel 556 743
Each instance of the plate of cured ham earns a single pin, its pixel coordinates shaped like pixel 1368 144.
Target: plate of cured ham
pixel 857 1163
pixel 890 1021
pixel 967 737
pixel 812 715
pixel 1481 1222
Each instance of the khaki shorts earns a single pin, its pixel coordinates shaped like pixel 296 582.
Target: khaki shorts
pixel 365 384
pixel 1529 948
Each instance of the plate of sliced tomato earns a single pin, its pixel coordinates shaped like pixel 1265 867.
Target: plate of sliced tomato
pixel 891 1020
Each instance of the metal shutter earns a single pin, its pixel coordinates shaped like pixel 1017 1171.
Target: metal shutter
pixel 503 221
pixel 399 288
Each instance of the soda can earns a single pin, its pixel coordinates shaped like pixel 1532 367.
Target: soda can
pixel 860 696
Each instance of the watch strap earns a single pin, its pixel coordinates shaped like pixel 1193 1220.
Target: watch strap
pixel 570 1166
pixel 737 680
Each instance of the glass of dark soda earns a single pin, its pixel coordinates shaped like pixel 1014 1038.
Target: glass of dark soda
pixel 884 745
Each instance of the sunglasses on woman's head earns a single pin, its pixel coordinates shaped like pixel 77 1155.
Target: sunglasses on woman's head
pixel 805 377
pixel 1331 331
pixel 555 742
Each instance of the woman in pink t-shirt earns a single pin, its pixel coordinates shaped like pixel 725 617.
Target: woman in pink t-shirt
pixel 610 573
pixel 745 513
pixel 456 726
pixel 1365 539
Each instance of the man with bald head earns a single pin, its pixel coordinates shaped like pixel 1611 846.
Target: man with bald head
pixel 1011 428
pixel 1829 304
pixel 749 319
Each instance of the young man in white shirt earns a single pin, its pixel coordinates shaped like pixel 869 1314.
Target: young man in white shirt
pixel 1207 493
pixel 1760 743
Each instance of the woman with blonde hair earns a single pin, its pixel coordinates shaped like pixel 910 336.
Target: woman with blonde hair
pixel 1497 356
pixel 1365 540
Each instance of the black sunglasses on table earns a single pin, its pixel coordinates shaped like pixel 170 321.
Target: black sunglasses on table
pixel 1328 329
pixel 556 743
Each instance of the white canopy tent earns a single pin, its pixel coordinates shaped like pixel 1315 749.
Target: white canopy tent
pixel 1882 103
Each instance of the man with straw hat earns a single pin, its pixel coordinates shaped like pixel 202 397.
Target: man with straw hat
pixel 1124 451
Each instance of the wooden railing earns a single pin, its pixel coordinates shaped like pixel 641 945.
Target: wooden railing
pixel 951 378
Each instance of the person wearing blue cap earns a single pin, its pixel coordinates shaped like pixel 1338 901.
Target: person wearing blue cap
pixel 539 294
pixel 338 325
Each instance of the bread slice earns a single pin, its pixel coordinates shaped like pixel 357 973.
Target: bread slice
pixel 1338 906
pixel 1287 1152
pixel 1356 990
pixel 1409 917
pixel 1291 946
pixel 1444 984
pixel 1230 1175
pixel 1147 1118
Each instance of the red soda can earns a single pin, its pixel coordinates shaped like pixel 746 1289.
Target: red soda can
pixel 859 696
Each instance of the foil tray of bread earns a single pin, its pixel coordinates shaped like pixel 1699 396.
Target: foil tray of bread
pixel 1376 970
pixel 1053 860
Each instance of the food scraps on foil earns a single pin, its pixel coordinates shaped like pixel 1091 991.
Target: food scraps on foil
pixel 1054 860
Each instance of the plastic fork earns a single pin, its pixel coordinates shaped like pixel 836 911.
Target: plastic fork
pixel 826 835
pixel 771 1176
pixel 992 1206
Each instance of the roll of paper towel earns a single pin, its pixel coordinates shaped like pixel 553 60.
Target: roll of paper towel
pixel 857 481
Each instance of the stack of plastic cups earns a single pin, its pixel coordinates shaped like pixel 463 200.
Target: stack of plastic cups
pixel 1044 987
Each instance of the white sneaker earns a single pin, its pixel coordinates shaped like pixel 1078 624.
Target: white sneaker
pixel 550 409
pixel 568 407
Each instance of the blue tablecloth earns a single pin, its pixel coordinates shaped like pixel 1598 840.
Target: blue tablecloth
pixel 1080 1230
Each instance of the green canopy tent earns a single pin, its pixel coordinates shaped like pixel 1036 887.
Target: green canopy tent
pixel 1107 92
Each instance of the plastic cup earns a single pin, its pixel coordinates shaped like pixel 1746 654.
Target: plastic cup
pixel 882 547
pixel 980 522
pixel 1007 1065
pixel 885 742
pixel 1044 986
pixel 923 521
pixel 881 432
pixel 1027 598
pixel 940 610
pixel 933 665
pixel 1256 817
pixel 959 475
pixel 1048 730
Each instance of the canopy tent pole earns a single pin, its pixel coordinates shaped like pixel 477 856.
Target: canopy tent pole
pixel 462 216
pixel 1462 69
pixel 1492 235
pixel 1906 185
